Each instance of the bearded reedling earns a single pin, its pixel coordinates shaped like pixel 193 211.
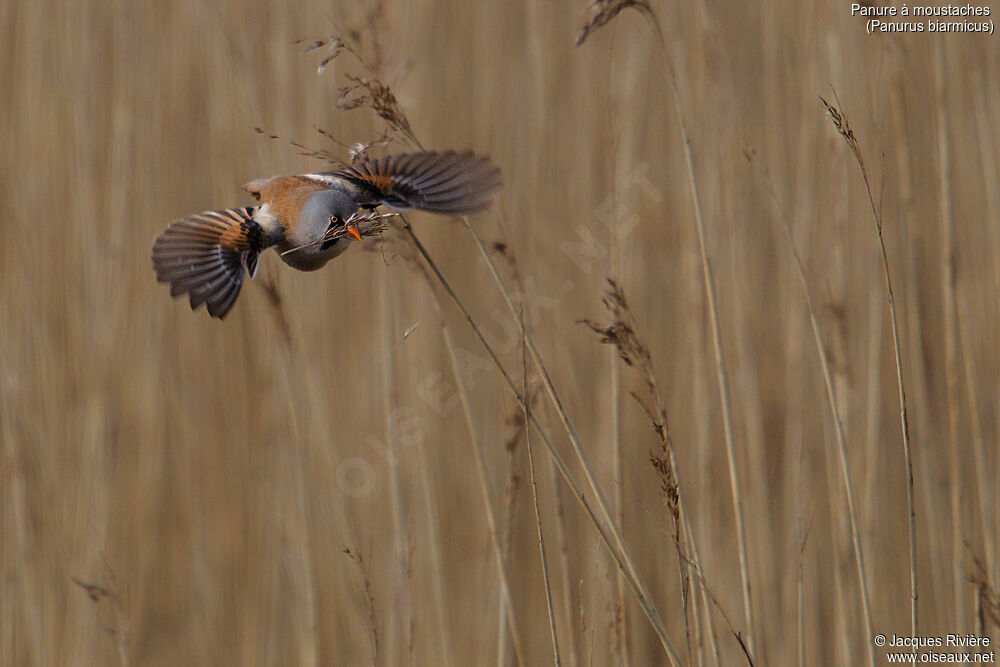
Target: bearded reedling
pixel 312 218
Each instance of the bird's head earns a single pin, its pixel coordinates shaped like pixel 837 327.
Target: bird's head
pixel 325 211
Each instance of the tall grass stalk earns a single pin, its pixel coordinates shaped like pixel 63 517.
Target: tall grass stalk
pixel 491 521
pixel 618 479
pixel 721 376
pixel 399 514
pixel 988 168
pixel 950 309
pixel 562 548
pixel 843 127
pixel 622 333
pixel 512 484
pixel 708 635
pixel 638 586
pixel 709 282
pixel 296 530
pixel 557 660
pixel 859 558
pixel 609 11
pixel 612 541
pixel 436 561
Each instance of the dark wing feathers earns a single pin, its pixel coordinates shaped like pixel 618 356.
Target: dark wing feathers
pixel 449 182
pixel 205 256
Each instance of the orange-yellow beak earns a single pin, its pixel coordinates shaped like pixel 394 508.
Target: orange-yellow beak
pixel 353 230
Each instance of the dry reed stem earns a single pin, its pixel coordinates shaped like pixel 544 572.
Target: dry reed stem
pixel 705 600
pixel 988 166
pixel 697 574
pixel 585 630
pixel 604 11
pixel 698 636
pixel 444 637
pixel 562 546
pixel 303 568
pixel 623 336
pixel 782 223
pixel 638 587
pixel 948 295
pixel 484 487
pixel 801 594
pixel 617 470
pixel 615 399
pixel 400 528
pixel 437 563
pixel 407 251
pixel 502 249
pixel 720 364
pixel 721 376
pixel 557 660
pixel 621 558
pixel 511 487
pixel 519 426
pixel 918 392
pixel 843 127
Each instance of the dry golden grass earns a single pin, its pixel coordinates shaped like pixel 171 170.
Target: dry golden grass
pixel 177 490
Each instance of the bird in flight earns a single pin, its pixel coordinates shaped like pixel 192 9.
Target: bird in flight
pixel 311 218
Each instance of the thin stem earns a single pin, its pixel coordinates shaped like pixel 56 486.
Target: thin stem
pixel 563 549
pixel 720 364
pixel 620 557
pixel 484 487
pixel 574 439
pixel 904 422
pixel 988 167
pixel 950 335
pixel 534 499
pixel 838 424
pixel 706 602
pixel 840 122
pixel 614 253
pixel 399 526
pixel 298 530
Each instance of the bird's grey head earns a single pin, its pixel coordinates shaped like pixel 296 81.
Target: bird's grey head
pixel 322 211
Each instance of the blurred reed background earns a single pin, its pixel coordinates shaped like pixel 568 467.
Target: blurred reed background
pixel 177 490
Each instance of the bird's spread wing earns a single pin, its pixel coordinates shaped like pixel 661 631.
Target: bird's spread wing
pixel 450 183
pixel 205 256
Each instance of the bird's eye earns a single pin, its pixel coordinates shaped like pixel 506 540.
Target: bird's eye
pixel 334 219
